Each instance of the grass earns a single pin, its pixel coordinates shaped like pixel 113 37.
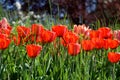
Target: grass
pixel 56 63
pixel 92 65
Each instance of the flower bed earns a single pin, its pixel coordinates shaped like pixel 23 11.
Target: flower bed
pixel 58 53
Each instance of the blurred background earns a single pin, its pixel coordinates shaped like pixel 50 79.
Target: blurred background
pixel 76 11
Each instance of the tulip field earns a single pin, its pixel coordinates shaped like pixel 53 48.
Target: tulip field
pixel 59 53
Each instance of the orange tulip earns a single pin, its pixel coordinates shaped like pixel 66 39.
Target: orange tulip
pixel 73 48
pixel 59 29
pixel 113 57
pixel 33 50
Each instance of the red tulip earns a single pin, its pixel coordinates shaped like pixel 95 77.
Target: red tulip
pixel 16 40
pixel 73 48
pixel 38 38
pixel 94 34
pixel 36 29
pixel 59 29
pixel 70 37
pixel 98 43
pixel 4 41
pixel 63 42
pixel 105 32
pixel 33 50
pixel 109 43
pixel 5 31
pixel 114 44
pixel 113 57
pixel 47 36
pixel 23 31
pixel 87 45
pixel 3 36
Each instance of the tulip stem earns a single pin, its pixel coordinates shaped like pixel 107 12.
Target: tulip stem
pixel 58 47
pixel 32 68
pixel 113 76
pixel 1 63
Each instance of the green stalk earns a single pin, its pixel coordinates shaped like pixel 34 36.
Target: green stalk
pixel 113 72
pixel 32 69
